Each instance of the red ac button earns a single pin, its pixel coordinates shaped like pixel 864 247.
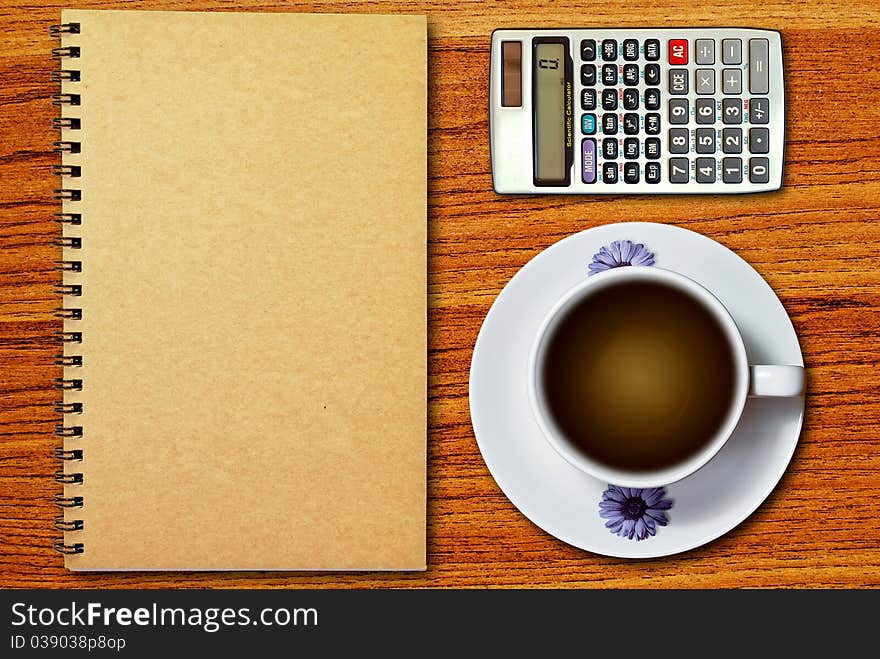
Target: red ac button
pixel 678 51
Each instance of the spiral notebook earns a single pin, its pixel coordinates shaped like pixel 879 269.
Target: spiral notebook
pixel 244 291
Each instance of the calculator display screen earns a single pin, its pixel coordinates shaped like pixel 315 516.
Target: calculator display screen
pixel 552 114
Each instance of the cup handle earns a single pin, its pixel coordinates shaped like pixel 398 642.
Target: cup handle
pixel 774 381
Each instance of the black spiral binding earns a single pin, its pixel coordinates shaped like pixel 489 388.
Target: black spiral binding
pixel 68 337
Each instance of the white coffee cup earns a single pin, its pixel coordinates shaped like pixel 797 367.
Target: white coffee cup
pixel 750 380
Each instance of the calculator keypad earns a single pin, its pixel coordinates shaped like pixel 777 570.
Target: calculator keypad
pixel 683 111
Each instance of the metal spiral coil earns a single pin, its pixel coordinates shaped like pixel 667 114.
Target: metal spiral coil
pixel 69 337
pixel 63 28
pixel 68 502
pixel 65 75
pixel 68 524
pixel 66 289
pixel 62 548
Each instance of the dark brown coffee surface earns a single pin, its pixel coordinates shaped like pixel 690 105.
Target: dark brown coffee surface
pixel 638 376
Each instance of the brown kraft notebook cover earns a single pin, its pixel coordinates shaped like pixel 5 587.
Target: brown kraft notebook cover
pixel 253 291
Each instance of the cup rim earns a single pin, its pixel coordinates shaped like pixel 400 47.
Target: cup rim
pixel 682 469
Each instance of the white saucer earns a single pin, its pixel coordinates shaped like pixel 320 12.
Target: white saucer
pixel 564 501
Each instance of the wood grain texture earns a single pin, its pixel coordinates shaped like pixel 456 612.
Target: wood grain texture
pixel 816 242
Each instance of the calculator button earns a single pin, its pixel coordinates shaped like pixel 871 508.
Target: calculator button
pixel 652 98
pixel 631 172
pixel 588 158
pixel 731 51
pixel 732 140
pixel 731 170
pixel 609 50
pixel 678 51
pixel 678 81
pixel 631 74
pixel 759 66
pixel 609 172
pixel 588 99
pixel 631 123
pixel 652 123
pixel 652 172
pixel 732 80
pixel 630 50
pixel 652 74
pixel 652 50
pixel 609 74
pixel 759 170
pixel 678 111
pixel 731 111
pixel 704 51
pixel 704 81
pixel 609 123
pixel 705 110
pixel 588 50
pixel 679 170
pixel 609 99
pixel 759 140
pixel 705 138
pixel 588 75
pixel 631 148
pixel 678 140
pixel 609 148
pixel 652 148
pixel 588 124
pixel 759 110
pixel 705 170
pixel 630 99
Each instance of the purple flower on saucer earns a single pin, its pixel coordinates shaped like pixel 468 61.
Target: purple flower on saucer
pixel 621 253
pixel 634 513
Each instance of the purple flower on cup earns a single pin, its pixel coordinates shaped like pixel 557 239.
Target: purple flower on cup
pixel 634 513
pixel 621 253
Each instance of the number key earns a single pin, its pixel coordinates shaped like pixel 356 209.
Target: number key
pixel 705 140
pixel 705 110
pixel 759 170
pixel 731 140
pixel 678 140
pixel 731 110
pixel 678 111
pixel 705 170
pixel 679 170
pixel 731 170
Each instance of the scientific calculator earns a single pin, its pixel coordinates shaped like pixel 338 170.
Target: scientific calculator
pixel 604 111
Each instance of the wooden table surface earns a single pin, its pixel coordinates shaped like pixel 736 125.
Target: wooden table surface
pixel 817 242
